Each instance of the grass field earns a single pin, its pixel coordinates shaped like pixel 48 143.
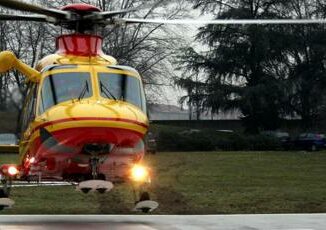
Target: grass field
pixel 200 183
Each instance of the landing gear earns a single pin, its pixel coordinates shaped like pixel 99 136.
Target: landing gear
pixel 98 182
pixel 5 201
pixel 5 186
pixel 100 186
pixel 139 177
pixel 143 203
pixel 94 163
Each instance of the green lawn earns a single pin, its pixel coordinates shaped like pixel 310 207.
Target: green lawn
pixel 201 183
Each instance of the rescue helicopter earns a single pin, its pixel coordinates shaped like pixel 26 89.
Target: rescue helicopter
pixel 84 117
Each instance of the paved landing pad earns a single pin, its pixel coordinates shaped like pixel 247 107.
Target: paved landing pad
pixel 142 222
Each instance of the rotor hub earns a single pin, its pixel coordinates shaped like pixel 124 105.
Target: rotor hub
pixel 81 8
pixel 77 22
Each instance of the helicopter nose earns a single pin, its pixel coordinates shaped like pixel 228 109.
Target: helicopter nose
pixel 99 113
pixel 93 124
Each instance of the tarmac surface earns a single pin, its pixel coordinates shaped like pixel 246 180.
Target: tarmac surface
pixel 163 222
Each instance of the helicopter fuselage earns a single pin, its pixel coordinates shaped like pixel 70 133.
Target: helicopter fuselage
pixel 94 125
pixel 82 107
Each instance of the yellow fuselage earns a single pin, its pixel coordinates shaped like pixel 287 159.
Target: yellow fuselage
pixel 94 106
pixel 61 129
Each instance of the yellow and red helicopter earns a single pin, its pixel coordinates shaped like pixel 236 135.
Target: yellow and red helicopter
pixel 84 117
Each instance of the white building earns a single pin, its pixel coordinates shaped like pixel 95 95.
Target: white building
pixel 159 112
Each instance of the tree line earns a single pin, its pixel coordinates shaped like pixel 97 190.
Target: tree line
pixel 266 72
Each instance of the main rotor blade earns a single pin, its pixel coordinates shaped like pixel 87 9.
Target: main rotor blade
pixel 18 5
pixel 110 14
pixel 35 18
pixel 218 22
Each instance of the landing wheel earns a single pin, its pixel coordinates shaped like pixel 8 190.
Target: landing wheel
pixel 145 210
pixel 101 190
pixel 144 203
pixel 143 197
pixel 98 182
pixel 100 186
pixel 86 190
pixel 5 202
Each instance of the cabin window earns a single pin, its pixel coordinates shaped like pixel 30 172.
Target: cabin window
pixel 28 114
pixel 122 87
pixel 63 87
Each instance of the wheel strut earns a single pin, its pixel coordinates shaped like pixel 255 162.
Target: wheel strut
pixel 94 162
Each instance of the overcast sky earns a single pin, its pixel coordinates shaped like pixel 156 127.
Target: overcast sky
pixel 172 94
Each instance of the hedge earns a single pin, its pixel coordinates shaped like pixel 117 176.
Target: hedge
pixel 211 140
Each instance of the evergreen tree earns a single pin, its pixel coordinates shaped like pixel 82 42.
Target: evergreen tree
pixel 265 71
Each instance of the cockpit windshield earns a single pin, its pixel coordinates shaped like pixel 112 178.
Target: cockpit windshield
pixel 62 87
pixel 122 87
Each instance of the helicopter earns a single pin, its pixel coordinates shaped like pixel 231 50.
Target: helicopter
pixel 84 118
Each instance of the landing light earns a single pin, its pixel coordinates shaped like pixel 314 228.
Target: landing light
pixel 12 170
pixel 139 173
pixel 32 160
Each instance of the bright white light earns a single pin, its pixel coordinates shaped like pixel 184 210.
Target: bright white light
pixel 12 170
pixel 139 173
pixel 32 160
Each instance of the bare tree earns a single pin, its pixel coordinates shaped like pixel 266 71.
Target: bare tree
pixel 148 48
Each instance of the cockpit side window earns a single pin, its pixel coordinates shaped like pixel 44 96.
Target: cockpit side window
pixel 62 87
pixel 29 107
pixel 122 87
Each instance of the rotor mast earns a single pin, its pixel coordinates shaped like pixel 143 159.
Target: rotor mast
pixel 79 45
